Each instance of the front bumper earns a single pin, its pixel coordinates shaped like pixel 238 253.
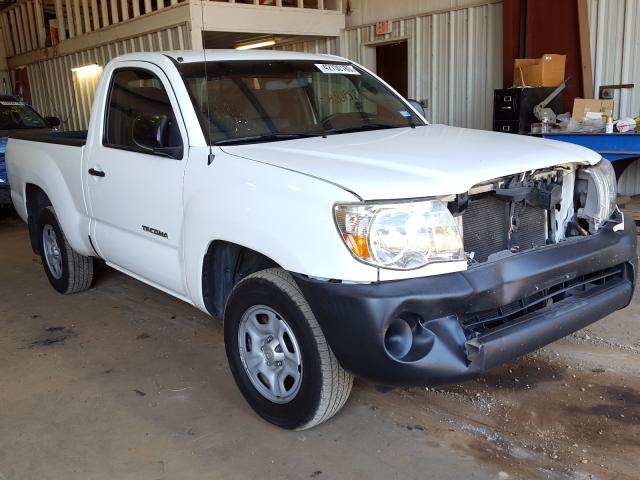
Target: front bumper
pixel 416 331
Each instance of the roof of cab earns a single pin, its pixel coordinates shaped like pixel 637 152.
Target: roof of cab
pixel 213 55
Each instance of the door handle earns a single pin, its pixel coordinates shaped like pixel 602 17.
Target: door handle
pixel 96 173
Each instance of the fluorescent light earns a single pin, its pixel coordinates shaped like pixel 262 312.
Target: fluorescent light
pixel 87 69
pixel 261 44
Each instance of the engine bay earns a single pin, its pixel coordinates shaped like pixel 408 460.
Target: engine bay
pixel 529 210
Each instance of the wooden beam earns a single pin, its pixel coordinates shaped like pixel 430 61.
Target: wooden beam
pixel 23 29
pixel 32 27
pixel 125 9
pixel 26 26
pixel 14 32
pixel 6 31
pixel 95 14
pixel 86 16
pixel 104 10
pixel 42 28
pixel 136 8
pixel 114 12
pixel 62 30
pixel 585 49
pixel 69 7
pixel 77 17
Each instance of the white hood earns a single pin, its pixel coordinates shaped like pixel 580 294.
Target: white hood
pixel 411 163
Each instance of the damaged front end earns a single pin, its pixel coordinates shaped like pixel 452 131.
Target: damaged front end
pixel 530 210
pixel 548 253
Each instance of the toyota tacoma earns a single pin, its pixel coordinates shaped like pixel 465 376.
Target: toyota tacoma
pixel 335 231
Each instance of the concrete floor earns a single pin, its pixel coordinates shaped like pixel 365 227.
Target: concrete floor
pixel 125 382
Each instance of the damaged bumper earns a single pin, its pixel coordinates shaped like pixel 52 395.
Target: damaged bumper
pixel 447 328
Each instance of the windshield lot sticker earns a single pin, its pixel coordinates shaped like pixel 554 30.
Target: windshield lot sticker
pixel 12 104
pixel 334 68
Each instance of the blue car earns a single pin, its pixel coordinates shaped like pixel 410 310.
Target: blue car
pixel 16 116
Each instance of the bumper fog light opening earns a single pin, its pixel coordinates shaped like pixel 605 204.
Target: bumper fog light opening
pixel 407 339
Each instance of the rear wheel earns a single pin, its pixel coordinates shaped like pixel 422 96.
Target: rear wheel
pixel 67 271
pixel 278 354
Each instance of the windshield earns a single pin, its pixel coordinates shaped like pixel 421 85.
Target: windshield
pixel 18 115
pixel 254 101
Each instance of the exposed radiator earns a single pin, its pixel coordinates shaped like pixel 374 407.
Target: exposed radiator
pixel 485 225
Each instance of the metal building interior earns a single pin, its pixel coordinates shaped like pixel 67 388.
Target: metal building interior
pixel 128 381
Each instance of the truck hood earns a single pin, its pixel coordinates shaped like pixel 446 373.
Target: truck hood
pixel 410 163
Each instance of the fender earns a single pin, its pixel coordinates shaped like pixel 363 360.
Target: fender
pixel 62 184
pixel 255 205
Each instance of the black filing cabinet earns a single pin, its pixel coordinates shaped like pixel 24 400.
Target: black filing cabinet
pixel 513 108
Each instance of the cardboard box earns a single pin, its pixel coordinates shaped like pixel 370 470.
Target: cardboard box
pixel 547 71
pixel 583 106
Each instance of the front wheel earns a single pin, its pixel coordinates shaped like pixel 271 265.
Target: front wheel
pixel 278 354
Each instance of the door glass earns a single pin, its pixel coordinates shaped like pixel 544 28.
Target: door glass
pixel 139 115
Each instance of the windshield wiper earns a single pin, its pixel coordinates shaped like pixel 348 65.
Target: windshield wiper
pixel 269 137
pixel 364 127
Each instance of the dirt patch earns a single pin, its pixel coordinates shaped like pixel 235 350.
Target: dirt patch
pixel 537 417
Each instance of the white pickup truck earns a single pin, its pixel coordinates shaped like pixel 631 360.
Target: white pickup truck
pixel 336 232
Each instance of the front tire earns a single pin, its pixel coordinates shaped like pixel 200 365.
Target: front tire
pixel 278 354
pixel 67 271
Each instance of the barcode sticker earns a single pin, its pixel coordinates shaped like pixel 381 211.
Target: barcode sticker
pixel 336 68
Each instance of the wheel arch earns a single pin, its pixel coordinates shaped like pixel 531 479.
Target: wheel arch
pixel 224 265
pixel 36 199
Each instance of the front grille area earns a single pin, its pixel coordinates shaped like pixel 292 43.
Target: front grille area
pixel 489 319
pixel 485 226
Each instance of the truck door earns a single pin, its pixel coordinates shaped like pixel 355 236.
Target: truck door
pixel 135 177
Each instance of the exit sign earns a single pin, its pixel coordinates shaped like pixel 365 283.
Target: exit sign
pixel 384 27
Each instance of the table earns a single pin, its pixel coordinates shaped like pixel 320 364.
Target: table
pixel 612 146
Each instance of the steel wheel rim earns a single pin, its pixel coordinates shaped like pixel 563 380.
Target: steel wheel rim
pixel 52 253
pixel 270 354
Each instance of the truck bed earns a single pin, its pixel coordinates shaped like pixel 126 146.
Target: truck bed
pixel 73 138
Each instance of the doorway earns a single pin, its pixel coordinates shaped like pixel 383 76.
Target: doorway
pixel 391 64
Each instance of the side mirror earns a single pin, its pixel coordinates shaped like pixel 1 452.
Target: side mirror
pixel 150 133
pixel 52 121
pixel 417 106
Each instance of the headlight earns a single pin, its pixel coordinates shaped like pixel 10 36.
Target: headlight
pixel 604 182
pixel 400 236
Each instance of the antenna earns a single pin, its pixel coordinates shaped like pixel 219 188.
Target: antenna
pixel 211 156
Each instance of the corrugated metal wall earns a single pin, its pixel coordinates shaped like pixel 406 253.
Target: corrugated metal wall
pixel 57 91
pixel 615 50
pixel 455 60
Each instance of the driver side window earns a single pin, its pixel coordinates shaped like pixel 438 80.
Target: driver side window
pixel 139 115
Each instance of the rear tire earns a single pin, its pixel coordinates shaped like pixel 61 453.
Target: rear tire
pixel 67 271
pixel 268 329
